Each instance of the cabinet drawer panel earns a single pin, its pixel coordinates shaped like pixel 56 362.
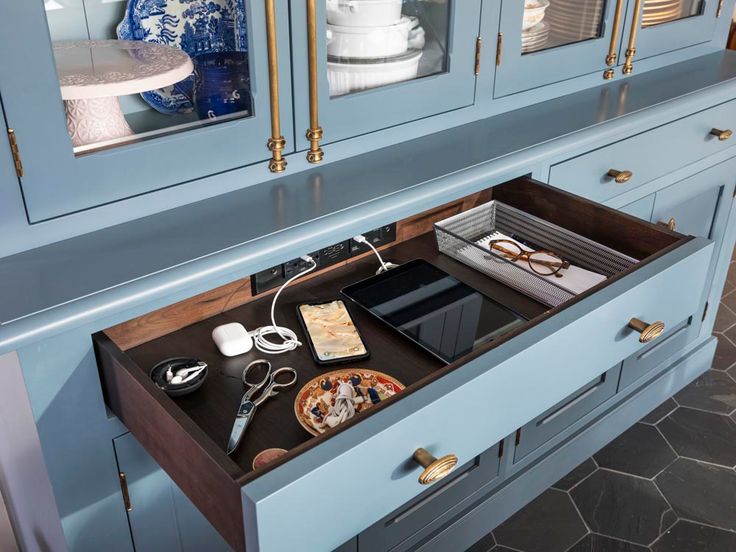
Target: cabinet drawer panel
pixel 648 155
pixel 654 354
pixel 362 471
pixel 566 412
pixel 430 508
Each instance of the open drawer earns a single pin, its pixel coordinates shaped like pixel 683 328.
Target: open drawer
pixel 331 487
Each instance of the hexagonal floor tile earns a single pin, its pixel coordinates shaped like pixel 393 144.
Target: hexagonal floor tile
pixel 732 372
pixel 700 492
pixel 599 543
pixel 640 450
pixel 687 536
pixel 621 506
pixel 660 412
pixel 713 391
pixel 549 523
pixel 576 475
pixel 725 319
pixel 725 352
pixel 701 435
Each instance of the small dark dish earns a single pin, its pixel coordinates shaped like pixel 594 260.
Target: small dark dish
pixel 158 375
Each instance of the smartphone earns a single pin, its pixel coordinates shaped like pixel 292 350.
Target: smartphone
pixel 331 332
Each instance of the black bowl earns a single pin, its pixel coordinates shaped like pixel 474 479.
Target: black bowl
pixel 158 375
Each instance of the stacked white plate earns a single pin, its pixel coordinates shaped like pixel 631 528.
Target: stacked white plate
pixel 574 20
pixel 660 11
pixel 535 38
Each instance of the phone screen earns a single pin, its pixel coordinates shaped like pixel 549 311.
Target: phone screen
pixel 332 331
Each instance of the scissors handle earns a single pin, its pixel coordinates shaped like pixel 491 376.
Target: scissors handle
pixel 274 385
pixel 245 415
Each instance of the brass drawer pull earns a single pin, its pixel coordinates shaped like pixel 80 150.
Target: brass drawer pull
pixel 647 332
pixel 434 468
pixel 621 177
pixel 722 135
pixel 670 224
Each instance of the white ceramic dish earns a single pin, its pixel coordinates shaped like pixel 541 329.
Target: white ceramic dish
pixel 360 75
pixel 364 13
pixel 533 13
pixel 375 42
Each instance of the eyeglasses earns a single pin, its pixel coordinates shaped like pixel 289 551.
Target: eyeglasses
pixel 544 263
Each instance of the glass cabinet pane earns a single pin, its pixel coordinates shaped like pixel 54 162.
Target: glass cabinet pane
pixel 373 43
pixel 137 69
pixel 656 12
pixel 551 23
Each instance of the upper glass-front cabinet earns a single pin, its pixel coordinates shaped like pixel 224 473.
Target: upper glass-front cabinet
pixel 548 41
pixel 106 98
pixel 373 64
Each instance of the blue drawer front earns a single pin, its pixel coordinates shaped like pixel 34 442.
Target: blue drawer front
pixel 569 410
pixel 368 471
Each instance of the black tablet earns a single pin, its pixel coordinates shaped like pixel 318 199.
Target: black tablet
pixel 435 310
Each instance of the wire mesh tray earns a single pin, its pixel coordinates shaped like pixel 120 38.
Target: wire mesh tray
pixel 459 237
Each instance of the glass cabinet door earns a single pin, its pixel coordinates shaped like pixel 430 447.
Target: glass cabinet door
pixel 380 63
pixel 548 41
pixel 109 99
pixel 666 25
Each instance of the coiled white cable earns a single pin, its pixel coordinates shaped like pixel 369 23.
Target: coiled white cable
pixel 290 341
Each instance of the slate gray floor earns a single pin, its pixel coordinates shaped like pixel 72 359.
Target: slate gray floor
pixel 668 484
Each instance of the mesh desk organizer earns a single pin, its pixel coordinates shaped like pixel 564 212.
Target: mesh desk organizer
pixel 464 237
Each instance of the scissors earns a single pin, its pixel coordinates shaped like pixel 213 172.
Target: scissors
pixel 268 387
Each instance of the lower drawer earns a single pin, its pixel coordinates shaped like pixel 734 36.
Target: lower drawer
pixel 566 412
pixel 657 352
pixel 430 509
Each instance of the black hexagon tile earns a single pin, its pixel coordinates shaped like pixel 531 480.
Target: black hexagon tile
pixel 598 543
pixel 621 506
pixel 687 536
pixel 701 435
pixel 576 475
pixel 713 391
pixel 550 523
pixel 640 450
pixel 700 492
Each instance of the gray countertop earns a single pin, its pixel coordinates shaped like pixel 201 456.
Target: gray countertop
pixel 204 244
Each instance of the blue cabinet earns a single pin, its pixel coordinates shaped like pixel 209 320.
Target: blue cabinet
pixel 59 177
pixel 378 69
pixel 161 517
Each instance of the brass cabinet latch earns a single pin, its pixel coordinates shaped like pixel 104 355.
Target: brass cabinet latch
pixel 499 48
pixel 124 489
pixel 478 45
pixel 15 152
pixel 719 10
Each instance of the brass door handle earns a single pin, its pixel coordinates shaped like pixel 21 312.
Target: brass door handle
pixel 647 332
pixel 722 135
pixel 670 224
pixel 621 177
pixel 434 468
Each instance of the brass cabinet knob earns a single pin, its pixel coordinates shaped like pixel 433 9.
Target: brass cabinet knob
pixel 722 135
pixel 670 224
pixel 647 332
pixel 621 177
pixel 434 468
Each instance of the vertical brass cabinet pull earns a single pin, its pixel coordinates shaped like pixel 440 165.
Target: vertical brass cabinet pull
pixel 499 49
pixel 434 468
pixel 719 11
pixel 611 57
pixel 631 49
pixel 124 489
pixel 478 46
pixel 314 133
pixel 276 143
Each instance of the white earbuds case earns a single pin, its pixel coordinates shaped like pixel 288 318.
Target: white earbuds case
pixel 232 339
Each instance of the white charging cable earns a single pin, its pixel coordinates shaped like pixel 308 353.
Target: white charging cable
pixel 360 238
pixel 290 341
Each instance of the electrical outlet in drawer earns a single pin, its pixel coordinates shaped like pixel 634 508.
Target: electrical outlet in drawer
pixel 365 469
pixel 612 170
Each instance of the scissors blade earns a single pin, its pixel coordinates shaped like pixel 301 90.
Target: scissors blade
pixel 242 420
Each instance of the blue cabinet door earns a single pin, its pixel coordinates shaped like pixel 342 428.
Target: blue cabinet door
pixel 216 121
pixel 160 516
pixel 666 25
pixel 393 68
pixel 568 39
